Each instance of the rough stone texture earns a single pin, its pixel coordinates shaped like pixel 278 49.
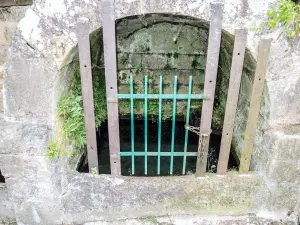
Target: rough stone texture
pixel 197 220
pixel 33 188
pixel 6 208
pixel 41 190
pixel 9 18
pixel 33 138
pixel 107 198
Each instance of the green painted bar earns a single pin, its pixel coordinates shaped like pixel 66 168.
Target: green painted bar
pixel 175 154
pixel 173 125
pixel 159 124
pixel 146 123
pixel 164 96
pixel 132 124
pixel 187 122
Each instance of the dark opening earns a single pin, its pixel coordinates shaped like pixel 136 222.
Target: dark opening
pixel 296 1
pixel 125 139
pixel 2 179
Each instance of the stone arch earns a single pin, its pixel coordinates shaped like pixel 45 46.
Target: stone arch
pixel 161 57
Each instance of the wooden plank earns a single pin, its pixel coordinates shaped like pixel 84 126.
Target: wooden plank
pixel 257 90
pixel 211 71
pixel 82 30
pixel 6 3
pixel 110 58
pixel 232 98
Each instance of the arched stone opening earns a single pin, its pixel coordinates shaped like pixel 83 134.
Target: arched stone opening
pixel 166 45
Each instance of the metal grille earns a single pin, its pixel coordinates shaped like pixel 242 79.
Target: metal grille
pixel 161 96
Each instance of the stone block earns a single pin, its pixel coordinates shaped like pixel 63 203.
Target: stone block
pixel 154 61
pixel 6 206
pixel 283 198
pixel 23 138
pixel 29 81
pixel 109 198
pixel 33 189
pixel 284 171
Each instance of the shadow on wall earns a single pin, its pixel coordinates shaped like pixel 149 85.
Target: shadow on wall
pixel 2 179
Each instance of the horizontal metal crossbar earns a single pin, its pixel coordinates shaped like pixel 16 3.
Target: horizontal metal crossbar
pixel 164 96
pixel 161 153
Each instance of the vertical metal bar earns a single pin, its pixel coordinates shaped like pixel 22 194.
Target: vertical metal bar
pixel 212 61
pixel 173 125
pixel 232 98
pixel 110 58
pixel 146 124
pixel 187 122
pixel 132 124
pixel 258 87
pixel 159 125
pixel 87 91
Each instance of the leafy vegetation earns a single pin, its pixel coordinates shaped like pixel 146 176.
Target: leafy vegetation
pixel 70 108
pixel 284 14
pixel 53 149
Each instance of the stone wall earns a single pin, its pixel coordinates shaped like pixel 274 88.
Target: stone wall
pixel 41 189
pixel 9 19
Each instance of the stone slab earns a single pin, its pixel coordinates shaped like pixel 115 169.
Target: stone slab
pixel 108 198
pixel 198 220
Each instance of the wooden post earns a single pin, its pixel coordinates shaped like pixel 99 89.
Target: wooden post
pixel 82 29
pixel 211 71
pixel 258 87
pixel 232 98
pixel 110 58
pixel 7 3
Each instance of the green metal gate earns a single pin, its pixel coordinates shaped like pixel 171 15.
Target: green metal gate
pixel 160 97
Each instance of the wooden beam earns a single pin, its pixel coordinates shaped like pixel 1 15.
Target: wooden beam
pixel 232 98
pixel 212 61
pixel 7 3
pixel 82 29
pixel 257 90
pixel 110 59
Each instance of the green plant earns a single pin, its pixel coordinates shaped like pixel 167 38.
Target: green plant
pixel 137 69
pixel 284 14
pixel 70 108
pixel 95 171
pixel 123 59
pixel 10 36
pixel 53 149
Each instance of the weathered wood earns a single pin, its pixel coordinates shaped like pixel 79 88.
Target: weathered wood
pixel 211 71
pixel 232 98
pixel 82 30
pixel 6 3
pixel 110 58
pixel 258 87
